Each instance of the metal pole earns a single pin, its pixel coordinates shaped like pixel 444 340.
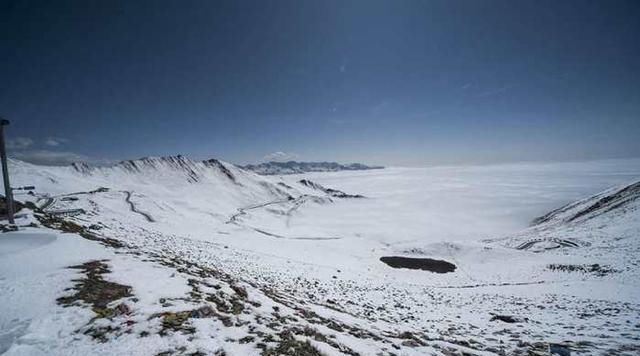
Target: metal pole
pixel 5 173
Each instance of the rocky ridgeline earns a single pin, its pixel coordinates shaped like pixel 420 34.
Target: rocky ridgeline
pixel 192 170
pixel 293 167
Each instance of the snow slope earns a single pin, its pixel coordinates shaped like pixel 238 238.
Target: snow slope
pixel 287 268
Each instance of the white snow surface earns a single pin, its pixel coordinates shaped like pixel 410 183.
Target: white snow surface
pixel 305 252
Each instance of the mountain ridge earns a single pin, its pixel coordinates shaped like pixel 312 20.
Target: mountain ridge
pixel 296 167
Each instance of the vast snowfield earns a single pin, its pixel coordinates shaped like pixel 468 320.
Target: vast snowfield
pixel 208 258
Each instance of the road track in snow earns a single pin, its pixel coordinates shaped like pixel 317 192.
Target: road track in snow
pixel 48 202
pixel 134 209
pixel 243 211
pixel 560 242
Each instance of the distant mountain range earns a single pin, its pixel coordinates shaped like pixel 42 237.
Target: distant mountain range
pixel 293 167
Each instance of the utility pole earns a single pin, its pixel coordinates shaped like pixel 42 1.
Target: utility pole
pixel 5 172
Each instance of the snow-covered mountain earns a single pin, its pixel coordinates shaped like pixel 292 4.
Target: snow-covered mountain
pixel 166 188
pixel 293 167
pixel 220 185
pixel 576 226
pixel 175 256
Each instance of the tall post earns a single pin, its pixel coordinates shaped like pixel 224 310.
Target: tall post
pixel 5 172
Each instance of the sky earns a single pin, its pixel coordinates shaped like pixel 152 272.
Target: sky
pixel 381 82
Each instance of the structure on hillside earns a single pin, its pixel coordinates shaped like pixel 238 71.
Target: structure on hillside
pixel 5 173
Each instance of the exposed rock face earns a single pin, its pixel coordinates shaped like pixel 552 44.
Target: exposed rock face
pixel 3 206
pixel 192 170
pixel 82 167
pixel 173 163
pixel 180 172
pixel 214 163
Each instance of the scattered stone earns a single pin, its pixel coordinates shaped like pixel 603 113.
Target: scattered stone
pixel 240 291
pixel 100 333
pixel 203 312
pixel 559 350
pixel 122 309
pixel 246 339
pixel 290 346
pixel 507 318
pixel 176 322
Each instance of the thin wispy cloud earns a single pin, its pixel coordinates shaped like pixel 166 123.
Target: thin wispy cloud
pixel 58 158
pixel 494 92
pixel 19 143
pixel 337 121
pixel 381 107
pixel 28 150
pixel 279 156
pixel 50 158
pixel 344 66
pixel 55 141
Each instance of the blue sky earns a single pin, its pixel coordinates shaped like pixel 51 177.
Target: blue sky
pixel 381 82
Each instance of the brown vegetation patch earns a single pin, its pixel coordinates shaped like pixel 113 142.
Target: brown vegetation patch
pixel 94 290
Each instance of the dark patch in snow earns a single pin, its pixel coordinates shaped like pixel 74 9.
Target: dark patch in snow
pixel 58 223
pixel 425 264
pixel 604 202
pixel 613 201
pixel 274 190
pixel 332 192
pixel 559 350
pixel 506 318
pixel 214 163
pixel 289 345
pixel 81 167
pixel 600 270
pixel 67 212
pixel 282 184
pixel 3 207
pixel 94 290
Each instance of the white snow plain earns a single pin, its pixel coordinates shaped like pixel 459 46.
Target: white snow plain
pixel 305 253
